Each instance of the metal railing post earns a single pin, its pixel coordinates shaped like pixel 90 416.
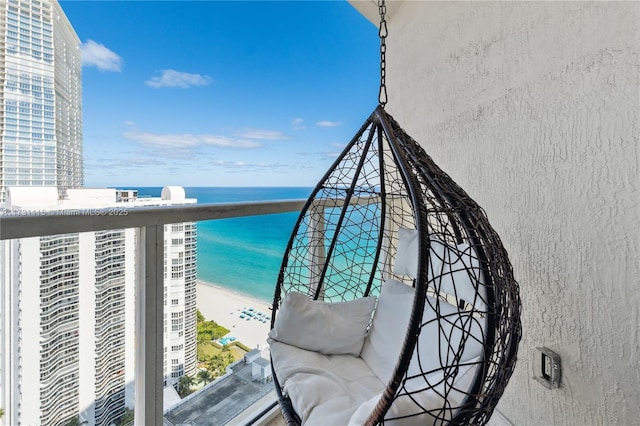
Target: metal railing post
pixel 149 350
pixel 317 249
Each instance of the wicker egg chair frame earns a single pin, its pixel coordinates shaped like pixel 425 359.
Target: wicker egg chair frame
pixel 344 244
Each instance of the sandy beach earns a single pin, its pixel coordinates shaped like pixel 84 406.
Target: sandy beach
pixel 225 307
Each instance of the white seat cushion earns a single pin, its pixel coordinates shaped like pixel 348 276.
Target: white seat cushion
pixel 409 410
pixel 343 389
pixel 324 389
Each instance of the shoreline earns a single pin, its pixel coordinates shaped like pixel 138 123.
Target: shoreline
pixel 225 307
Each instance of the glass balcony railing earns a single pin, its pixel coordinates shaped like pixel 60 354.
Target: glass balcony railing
pixel 53 349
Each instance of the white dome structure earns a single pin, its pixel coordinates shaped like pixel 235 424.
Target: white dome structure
pixel 174 193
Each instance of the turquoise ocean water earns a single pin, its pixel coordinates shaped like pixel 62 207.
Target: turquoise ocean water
pixel 242 254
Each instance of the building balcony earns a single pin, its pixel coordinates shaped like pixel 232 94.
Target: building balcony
pixel 149 372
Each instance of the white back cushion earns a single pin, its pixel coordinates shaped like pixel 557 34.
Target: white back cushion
pixel 453 270
pixel 390 321
pixel 406 262
pixel 441 338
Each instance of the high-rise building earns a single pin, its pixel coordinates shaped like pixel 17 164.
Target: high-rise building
pixel 68 310
pixel 180 333
pixel 40 97
pixel 67 301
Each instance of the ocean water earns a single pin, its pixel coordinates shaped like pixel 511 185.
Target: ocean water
pixel 242 254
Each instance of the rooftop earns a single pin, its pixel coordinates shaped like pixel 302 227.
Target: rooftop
pixel 224 400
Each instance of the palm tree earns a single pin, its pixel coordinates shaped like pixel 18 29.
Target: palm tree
pixel 73 421
pixel 128 416
pixel 204 376
pixel 216 365
pixel 184 385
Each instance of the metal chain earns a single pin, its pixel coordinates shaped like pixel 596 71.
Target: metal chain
pixel 382 33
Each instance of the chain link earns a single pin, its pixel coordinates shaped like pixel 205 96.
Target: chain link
pixel 382 33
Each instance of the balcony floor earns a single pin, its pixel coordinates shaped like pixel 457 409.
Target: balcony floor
pixel 278 420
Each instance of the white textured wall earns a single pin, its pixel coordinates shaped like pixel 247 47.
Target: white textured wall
pixel 533 109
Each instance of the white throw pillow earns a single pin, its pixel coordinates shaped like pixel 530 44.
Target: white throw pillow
pixel 328 328
pixel 389 328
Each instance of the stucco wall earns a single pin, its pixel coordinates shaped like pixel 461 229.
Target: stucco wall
pixel 533 109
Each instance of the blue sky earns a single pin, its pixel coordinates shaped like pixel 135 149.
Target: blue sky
pixel 217 93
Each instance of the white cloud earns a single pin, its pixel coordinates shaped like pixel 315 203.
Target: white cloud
pixel 123 163
pixel 97 55
pixel 230 164
pixel 188 141
pixel 173 78
pixel 243 165
pixel 298 124
pixel 263 134
pixel 327 123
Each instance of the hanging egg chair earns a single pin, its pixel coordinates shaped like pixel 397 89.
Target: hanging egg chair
pixel 396 301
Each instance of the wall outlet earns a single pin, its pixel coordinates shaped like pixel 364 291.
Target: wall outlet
pixel 546 367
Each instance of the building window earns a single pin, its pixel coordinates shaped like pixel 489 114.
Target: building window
pixel 177 324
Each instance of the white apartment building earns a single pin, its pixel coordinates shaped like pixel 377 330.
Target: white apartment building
pixel 40 97
pixel 67 301
pixel 67 309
